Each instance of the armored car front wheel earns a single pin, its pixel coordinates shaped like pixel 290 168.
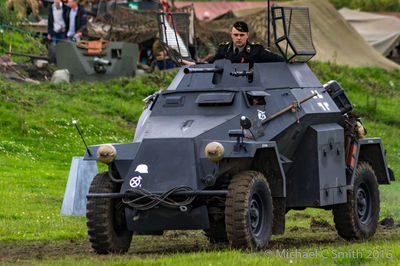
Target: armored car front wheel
pixel 217 231
pixel 248 211
pixel 358 218
pixel 105 218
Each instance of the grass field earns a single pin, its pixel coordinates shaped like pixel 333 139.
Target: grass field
pixel 38 140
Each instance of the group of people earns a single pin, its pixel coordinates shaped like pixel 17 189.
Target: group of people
pixel 66 21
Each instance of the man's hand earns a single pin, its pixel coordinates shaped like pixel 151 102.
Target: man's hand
pixel 49 36
pixel 186 62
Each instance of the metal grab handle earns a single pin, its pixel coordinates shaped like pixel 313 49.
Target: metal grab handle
pixel 292 107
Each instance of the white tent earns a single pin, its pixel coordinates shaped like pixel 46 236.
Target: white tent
pixel 381 32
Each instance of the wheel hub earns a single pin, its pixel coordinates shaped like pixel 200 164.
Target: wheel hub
pixel 256 213
pixel 363 204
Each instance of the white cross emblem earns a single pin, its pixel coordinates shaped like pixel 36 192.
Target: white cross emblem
pixel 135 181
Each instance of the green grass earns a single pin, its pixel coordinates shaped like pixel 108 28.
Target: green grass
pixel 368 5
pixel 25 43
pixel 38 140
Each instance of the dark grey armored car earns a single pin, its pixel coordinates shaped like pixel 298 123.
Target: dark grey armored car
pixel 230 151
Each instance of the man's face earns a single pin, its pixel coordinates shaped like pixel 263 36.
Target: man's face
pixel 72 3
pixel 239 38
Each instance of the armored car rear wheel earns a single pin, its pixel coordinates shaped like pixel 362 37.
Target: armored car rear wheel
pixel 358 218
pixel 248 211
pixel 105 218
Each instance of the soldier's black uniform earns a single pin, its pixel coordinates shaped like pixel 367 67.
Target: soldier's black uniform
pixel 253 52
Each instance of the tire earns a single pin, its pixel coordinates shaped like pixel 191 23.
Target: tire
pixel 248 211
pixel 217 231
pixel 358 218
pixel 105 218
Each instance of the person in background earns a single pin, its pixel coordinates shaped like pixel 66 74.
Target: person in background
pixel 206 49
pixel 56 25
pixel 162 59
pixel 76 20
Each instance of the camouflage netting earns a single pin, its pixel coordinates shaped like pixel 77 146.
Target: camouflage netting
pixel 124 24
pixel 334 39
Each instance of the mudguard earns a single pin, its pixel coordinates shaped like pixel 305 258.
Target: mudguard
pixel 264 156
pixel 370 150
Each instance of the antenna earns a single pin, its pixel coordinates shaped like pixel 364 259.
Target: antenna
pixel 269 26
pixel 80 134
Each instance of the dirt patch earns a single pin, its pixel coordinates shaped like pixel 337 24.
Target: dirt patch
pixel 33 72
pixel 387 223
pixel 299 216
pixel 170 243
pixel 22 251
pixel 318 224
pixel 23 72
pixel 296 229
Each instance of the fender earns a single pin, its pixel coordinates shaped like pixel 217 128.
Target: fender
pixel 263 156
pixel 125 151
pixel 369 150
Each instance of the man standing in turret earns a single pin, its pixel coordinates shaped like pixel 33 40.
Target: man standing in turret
pixel 240 50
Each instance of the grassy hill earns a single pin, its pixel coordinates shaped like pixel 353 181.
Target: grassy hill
pixel 38 140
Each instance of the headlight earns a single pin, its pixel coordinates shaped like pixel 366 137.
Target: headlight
pixel 214 151
pixel 106 153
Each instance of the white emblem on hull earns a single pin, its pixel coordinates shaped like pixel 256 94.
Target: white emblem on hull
pixel 261 115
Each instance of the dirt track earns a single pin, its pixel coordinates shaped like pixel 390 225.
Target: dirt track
pixel 172 242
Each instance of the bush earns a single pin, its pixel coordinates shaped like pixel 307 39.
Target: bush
pixel 6 16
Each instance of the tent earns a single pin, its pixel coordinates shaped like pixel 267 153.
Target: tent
pixel 382 32
pixel 334 38
pixel 211 10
